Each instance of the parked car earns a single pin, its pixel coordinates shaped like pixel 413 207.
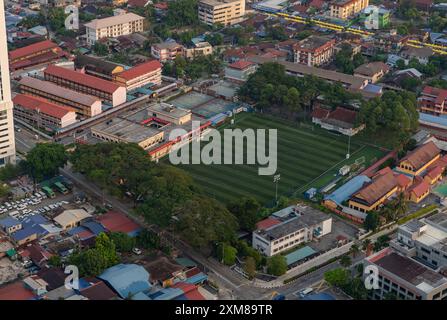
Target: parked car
pixel 137 251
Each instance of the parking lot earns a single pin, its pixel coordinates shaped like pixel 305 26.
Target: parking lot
pixel 38 203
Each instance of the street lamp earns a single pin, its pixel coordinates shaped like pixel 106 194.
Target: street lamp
pixel 276 179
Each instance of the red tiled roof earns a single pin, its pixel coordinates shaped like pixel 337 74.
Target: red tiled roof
pixel 440 94
pixel 117 222
pixel 140 70
pixel 98 291
pixel 320 113
pixel 422 155
pixel 436 171
pixel 420 188
pixel 267 223
pixel 384 171
pixel 82 79
pixel 342 114
pixel 377 188
pixel 403 180
pixel 41 104
pixel 32 48
pixel 241 64
pixel 16 291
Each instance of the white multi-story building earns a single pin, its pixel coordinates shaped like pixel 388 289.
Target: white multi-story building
pixel 166 51
pixel 113 27
pixel 404 278
pixel 425 240
pixel 225 12
pixel 7 143
pixel 290 227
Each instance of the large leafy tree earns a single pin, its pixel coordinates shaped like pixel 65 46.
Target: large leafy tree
pixel 182 13
pixel 246 211
pixel 203 220
pixel 394 115
pixel 277 265
pixel 45 159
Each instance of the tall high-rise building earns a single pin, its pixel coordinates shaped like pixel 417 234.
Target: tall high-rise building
pixel 7 143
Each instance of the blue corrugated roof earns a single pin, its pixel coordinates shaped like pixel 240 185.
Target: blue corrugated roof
pixel 76 230
pixel 127 279
pixel 440 121
pixel 94 227
pixel 346 190
pixel 299 254
pixel 197 278
pixel 9 222
pixel 29 231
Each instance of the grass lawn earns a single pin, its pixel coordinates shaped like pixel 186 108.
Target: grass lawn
pixel 306 158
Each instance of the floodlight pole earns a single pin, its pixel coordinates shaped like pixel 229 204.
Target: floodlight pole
pixel 276 179
pixel 349 147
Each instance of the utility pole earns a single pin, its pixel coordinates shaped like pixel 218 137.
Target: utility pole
pixel 276 179
pixel 349 147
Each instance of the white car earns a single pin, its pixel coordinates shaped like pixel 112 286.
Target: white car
pixel 137 251
pixel 64 202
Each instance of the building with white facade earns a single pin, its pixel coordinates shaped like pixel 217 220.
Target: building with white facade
pixel 404 278
pixel 113 27
pixel 225 12
pixel 7 142
pixel 424 239
pixel 290 227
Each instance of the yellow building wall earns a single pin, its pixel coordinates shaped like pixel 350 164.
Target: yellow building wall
pixel 415 173
pixel 415 199
pixel 433 180
pixel 374 206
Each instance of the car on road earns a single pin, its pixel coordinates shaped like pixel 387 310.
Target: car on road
pixel 137 251
pixel 305 292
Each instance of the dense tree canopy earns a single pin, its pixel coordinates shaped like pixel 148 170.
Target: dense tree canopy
pixel 246 212
pixel 346 62
pixel 165 194
pixel 94 261
pixel 394 115
pixel 182 13
pixel 203 220
pixel 45 159
pixel 277 265
pixel 270 87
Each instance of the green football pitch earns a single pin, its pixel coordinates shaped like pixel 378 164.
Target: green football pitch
pixel 307 157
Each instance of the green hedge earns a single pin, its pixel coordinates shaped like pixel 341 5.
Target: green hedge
pixel 417 214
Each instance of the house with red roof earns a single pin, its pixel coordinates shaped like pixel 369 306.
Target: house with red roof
pixel 434 175
pixel 341 119
pixel 239 71
pixel 114 221
pixel 16 291
pixel 419 191
pixel 37 53
pixel 433 101
pixel 42 112
pixel 140 75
